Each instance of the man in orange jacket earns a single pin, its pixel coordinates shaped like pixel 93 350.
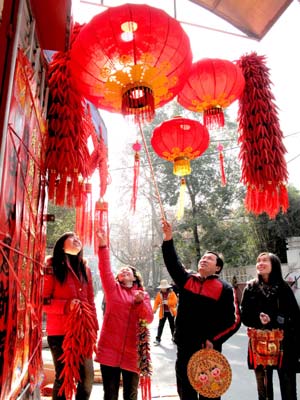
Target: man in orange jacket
pixel 166 301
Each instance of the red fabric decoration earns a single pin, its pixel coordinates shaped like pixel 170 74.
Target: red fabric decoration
pixel 136 171
pixel 78 344
pixel 222 169
pixel 264 169
pixel 144 357
pixel 212 85
pixel 101 222
pixel 131 59
pixel 84 214
pixel 180 140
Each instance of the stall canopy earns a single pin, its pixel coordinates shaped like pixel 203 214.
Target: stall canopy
pixel 253 17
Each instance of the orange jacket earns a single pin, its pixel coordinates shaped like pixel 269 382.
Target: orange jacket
pixel 172 303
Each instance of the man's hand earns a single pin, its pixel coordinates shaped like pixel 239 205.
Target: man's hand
pixel 167 230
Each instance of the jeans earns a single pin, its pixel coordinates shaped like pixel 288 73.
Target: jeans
pixel 184 388
pixel 161 324
pixel 111 383
pixel 84 388
pixel 264 380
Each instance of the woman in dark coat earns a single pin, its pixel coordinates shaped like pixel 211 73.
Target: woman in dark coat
pixel 269 303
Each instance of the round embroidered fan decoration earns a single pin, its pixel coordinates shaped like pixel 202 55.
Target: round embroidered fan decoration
pixel 209 373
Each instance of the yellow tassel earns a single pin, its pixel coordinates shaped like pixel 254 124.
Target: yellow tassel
pixel 180 210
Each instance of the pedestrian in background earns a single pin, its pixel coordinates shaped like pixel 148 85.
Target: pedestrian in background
pixel 207 314
pixel 126 303
pixel 269 303
pixel 166 301
pixel 67 285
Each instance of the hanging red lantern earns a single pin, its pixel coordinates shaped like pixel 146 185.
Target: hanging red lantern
pixel 212 85
pixel 180 140
pixel 131 59
pixel 136 171
pixel 262 152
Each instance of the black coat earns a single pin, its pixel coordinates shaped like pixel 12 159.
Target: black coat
pixel 278 301
pixel 207 309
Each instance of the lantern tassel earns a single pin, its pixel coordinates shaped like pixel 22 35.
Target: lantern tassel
pixel 222 169
pixel 213 118
pixel 180 210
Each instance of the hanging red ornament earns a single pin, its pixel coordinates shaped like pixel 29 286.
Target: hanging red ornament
pixel 264 169
pixel 212 85
pixel 131 59
pixel 101 222
pixel 222 169
pixel 180 140
pixel 136 171
pixel 84 215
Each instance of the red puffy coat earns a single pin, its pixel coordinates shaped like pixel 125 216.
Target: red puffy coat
pixel 117 346
pixel 58 296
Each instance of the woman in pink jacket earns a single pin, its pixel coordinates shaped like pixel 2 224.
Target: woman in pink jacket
pixel 67 283
pixel 126 304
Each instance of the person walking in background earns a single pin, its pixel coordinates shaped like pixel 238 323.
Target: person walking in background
pixel 268 304
pixel 127 303
pixel 207 314
pixel 68 287
pixel 166 301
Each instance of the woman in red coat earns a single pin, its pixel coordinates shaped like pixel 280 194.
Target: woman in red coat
pixel 67 284
pixel 126 304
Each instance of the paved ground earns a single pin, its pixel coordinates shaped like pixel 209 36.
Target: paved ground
pixel 243 386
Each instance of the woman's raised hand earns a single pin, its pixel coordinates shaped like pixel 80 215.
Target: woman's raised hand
pixel 102 238
pixel 167 230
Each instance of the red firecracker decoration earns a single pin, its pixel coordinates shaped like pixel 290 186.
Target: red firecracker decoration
pixel 101 222
pixel 144 359
pixel 212 85
pixel 264 169
pixel 70 124
pixel 131 59
pixel 84 215
pixel 180 140
pixel 136 171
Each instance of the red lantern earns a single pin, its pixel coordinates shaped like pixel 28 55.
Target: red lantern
pixel 212 85
pixel 180 140
pixel 131 59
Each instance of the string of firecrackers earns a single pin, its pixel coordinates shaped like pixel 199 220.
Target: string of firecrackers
pixel 144 359
pixel 78 344
pixel 69 127
pixel 264 169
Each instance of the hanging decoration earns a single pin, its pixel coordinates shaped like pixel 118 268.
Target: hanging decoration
pixel 212 85
pixel 131 59
pixel 136 171
pixel 144 359
pixel 180 140
pixel 264 169
pixel 221 159
pixel 101 222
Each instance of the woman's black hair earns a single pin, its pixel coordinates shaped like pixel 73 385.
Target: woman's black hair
pixel 275 276
pixel 59 259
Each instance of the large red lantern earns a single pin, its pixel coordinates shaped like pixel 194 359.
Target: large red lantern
pixel 131 59
pixel 212 85
pixel 180 140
